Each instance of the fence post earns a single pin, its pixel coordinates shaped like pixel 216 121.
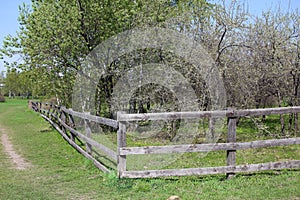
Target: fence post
pixel 30 105
pixel 40 107
pixel 121 136
pixel 72 125
pixel 64 119
pixel 57 111
pixel 88 133
pixel 231 137
pixel 52 112
pixel 49 111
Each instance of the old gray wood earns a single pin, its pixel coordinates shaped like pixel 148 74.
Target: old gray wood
pixel 107 151
pixel 63 119
pixel 78 148
pixel 72 125
pixel 121 137
pixel 207 114
pixel 120 156
pixel 101 120
pixel 88 133
pixel 208 147
pixel 231 138
pixel 212 170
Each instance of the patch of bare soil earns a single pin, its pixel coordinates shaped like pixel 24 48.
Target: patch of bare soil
pixel 17 159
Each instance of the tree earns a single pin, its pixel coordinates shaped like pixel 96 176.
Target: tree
pixel 258 57
pixel 2 83
pixel 57 35
pixel 18 84
pixel 12 83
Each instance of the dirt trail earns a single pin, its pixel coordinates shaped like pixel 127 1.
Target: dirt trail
pixel 17 159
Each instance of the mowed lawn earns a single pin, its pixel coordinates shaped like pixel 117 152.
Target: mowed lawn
pixel 59 172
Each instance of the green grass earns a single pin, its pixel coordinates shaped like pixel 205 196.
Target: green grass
pixel 60 172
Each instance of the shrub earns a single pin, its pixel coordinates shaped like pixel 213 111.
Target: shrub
pixel 2 99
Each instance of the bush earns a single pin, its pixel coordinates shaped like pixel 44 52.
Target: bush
pixel 2 99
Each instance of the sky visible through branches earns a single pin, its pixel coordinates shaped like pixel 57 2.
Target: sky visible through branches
pixel 9 15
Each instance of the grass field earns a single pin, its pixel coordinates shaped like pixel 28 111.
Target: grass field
pixel 60 172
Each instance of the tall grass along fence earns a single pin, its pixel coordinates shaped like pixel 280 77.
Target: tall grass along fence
pixel 63 120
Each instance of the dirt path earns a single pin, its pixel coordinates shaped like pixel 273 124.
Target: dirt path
pixel 15 158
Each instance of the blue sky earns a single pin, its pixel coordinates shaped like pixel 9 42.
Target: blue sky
pixel 257 6
pixel 9 13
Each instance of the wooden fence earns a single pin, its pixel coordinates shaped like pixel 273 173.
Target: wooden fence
pixel 62 119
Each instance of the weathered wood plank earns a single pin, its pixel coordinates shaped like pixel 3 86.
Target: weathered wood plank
pixel 231 138
pixel 107 151
pixel 88 133
pixel 63 118
pixel 211 170
pixel 120 157
pixel 121 137
pixel 101 120
pixel 207 114
pixel 208 147
pixel 72 125
pixel 78 148
pixel 34 106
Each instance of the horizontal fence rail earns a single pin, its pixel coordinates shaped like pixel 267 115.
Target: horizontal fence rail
pixel 78 148
pixel 230 147
pixel 104 149
pixel 212 170
pixel 208 147
pixel 206 114
pixel 63 120
pixel 93 118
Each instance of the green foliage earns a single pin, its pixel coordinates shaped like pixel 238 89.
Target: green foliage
pixel 258 57
pixel 55 36
pixel 18 83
